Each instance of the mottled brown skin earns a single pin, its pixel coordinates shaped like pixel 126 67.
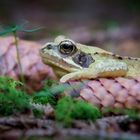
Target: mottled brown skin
pixel 115 84
pixel 75 61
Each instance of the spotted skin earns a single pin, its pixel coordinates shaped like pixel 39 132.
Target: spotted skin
pixel 108 80
pixel 87 62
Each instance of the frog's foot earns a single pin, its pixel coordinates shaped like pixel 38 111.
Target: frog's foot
pixel 70 76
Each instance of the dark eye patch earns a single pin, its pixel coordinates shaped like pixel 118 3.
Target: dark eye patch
pixel 83 59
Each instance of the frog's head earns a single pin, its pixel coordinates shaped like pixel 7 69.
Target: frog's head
pixel 65 56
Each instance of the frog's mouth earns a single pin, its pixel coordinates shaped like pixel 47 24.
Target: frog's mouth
pixel 58 63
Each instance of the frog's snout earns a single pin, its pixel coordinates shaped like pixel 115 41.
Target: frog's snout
pixel 49 46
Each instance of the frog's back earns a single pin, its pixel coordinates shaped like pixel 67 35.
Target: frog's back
pixel 133 66
pixel 91 49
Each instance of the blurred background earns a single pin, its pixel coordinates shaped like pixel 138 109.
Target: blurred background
pixel 113 25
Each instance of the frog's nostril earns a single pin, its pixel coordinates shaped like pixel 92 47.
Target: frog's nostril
pixel 49 46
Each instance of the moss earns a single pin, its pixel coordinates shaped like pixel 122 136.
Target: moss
pixel 69 109
pixel 131 113
pixel 12 100
pixel 50 93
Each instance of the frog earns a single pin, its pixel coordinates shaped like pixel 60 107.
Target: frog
pixel 74 61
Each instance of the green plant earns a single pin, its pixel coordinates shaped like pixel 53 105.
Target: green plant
pixel 38 113
pixel 7 83
pixel 13 29
pixel 12 100
pixel 68 109
pixel 49 93
pixel 52 91
pixel 131 113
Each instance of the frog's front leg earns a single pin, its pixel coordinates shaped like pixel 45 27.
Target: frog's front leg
pixel 108 68
pixel 81 74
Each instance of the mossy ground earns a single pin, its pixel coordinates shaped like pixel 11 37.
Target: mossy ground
pixel 18 114
pixel 66 109
pixel 14 101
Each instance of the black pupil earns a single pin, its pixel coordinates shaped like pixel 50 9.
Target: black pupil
pixel 66 48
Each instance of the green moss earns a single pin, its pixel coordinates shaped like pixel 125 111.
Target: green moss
pixel 12 100
pixel 50 93
pixel 133 113
pixel 38 113
pixel 69 109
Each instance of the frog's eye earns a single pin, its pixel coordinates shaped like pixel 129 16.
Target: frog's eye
pixel 67 47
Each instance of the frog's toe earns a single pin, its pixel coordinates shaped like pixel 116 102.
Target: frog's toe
pixel 68 77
